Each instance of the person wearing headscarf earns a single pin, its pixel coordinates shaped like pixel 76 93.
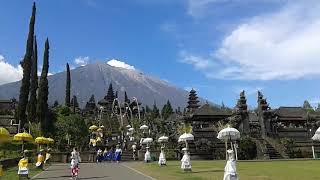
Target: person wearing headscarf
pixel 118 153
pixel 23 170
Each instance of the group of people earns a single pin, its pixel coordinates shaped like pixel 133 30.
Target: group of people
pixel 111 155
pixel 42 159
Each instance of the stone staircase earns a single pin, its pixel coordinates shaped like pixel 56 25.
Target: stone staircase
pixel 127 156
pixel 272 152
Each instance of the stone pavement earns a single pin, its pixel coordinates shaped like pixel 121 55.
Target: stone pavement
pixel 108 171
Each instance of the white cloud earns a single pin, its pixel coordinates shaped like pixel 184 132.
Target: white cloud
pixel 120 64
pixel 81 61
pixel 278 45
pixel 9 73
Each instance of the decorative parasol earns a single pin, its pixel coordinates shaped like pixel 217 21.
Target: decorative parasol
pixel 186 137
pixel 99 129
pixel 50 140
pixel 144 127
pixel 131 129
pixel 128 126
pixel 147 140
pixel 229 134
pixel 316 137
pixel 163 139
pixel 41 140
pixel 4 134
pixel 93 127
pixel 102 126
pixel 23 137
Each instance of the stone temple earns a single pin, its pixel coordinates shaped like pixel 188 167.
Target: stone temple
pixel 266 126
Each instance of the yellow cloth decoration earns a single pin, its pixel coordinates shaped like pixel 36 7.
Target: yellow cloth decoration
pixel 40 158
pixel 23 163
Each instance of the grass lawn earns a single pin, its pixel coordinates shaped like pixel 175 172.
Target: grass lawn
pixel 12 173
pixel 213 170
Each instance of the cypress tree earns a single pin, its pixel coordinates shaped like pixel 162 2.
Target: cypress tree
pixel 68 86
pixel 126 99
pixel 43 92
pixel 26 65
pixel 55 104
pixel 166 110
pixel 32 105
pixel 74 101
pixel 155 111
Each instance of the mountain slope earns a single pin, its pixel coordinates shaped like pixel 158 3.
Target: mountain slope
pixel 95 79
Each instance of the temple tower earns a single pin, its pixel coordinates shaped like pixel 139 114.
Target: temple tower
pixel 192 101
pixel 241 113
pixel 265 115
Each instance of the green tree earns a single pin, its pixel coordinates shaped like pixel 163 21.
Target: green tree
pixel 32 105
pixel 55 104
pixel 126 99
pixel 43 92
pixel 306 105
pixel 71 128
pixel 166 110
pixel 68 86
pixel 155 113
pixel 26 65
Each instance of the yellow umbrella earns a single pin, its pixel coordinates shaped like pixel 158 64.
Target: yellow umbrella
pixel 41 140
pixel 93 127
pixel 100 130
pixel 50 140
pixel 23 137
pixel 4 134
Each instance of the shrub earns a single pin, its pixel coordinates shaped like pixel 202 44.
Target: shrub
pixel 247 149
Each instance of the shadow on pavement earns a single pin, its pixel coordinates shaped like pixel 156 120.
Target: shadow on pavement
pixel 100 177
pixel 51 177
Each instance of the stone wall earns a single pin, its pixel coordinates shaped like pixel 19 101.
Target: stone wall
pixel 7 163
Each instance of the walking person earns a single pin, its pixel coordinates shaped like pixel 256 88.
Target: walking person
pixel 75 161
pixel 105 155
pixel 111 154
pixel 230 170
pixel 118 153
pixel 99 156
pixel 74 169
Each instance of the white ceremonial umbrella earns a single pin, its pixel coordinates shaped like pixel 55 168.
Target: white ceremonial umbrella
pixel 163 139
pixel 128 126
pixel 147 140
pixel 231 134
pixel 131 129
pixel 186 137
pixel 144 127
pixel 317 131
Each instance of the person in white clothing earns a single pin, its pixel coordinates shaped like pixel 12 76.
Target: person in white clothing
pixel 162 157
pixel 147 156
pixel 185 161
pixel 230 170
pixel 76 156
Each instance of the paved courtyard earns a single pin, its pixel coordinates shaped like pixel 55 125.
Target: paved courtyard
pixel 108 171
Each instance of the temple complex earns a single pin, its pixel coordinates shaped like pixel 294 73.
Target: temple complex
pixel 264 125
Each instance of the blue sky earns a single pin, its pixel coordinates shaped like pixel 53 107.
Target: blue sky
pixel 218 47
